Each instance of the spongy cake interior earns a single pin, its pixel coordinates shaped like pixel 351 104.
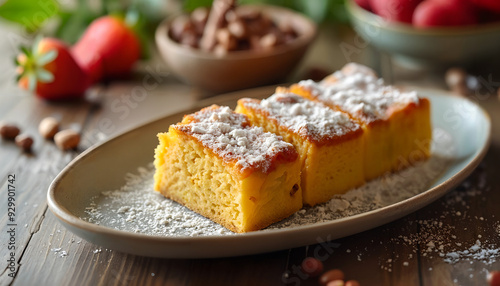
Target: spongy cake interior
pixel 196 176
pixel 332 158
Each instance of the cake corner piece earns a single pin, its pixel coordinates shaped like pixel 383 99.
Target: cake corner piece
pixel 239 176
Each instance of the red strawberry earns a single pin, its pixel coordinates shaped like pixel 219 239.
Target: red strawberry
pixel 492 5
pixel 108 48
pixel 50 70
pixel 365 4
pixel 431 13
pixel 395 10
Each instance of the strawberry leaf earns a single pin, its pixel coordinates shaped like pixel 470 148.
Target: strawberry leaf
pixel 47 57
pixel 26 51
pixel 44 76
pixel 31 82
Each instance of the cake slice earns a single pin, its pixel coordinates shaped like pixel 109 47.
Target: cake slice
pixel 239 176
pixel 397 123
pixel 329 143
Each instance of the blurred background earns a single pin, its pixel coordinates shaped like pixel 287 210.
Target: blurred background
pixel 382 36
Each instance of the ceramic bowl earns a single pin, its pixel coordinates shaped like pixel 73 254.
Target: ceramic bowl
pixel 443 47
pixel 239 69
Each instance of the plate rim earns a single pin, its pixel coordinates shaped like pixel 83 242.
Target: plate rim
pixel 74 223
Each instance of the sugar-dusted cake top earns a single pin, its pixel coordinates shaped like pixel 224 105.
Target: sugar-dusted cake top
pixel 312 120
pixel 230 136
pixel 357 90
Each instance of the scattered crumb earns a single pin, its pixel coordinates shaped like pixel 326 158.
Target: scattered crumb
pixel 58 251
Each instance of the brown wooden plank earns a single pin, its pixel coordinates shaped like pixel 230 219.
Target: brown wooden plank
pixel 89 264
pixel 34 172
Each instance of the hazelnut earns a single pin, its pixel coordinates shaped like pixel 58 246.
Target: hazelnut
pixel 494 278
pixel 9 131
pixel 336 283
pixel 331 275
pixel 312 266
pixel 48 127
pixel 67 139
pixel 24 142
pixel 456 79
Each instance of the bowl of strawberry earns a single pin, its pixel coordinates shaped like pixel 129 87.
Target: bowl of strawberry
pixel 433 33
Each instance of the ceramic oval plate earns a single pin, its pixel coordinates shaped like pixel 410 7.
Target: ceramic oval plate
pixel 104 168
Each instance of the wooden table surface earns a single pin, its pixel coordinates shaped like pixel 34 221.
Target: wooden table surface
pixel 409 251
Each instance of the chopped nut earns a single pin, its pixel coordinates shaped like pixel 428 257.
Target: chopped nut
pixel 9 131
pixel 24 142
pixel 190 39
pixel 237 29
pixel 226 27
pixel 220 51
pixel 48 127
pixel 67 139
pixel 226 40
pixel 231 16
pixel 268 41
pixel 214 22
pixel 199 18
pixel 180 26
pixel 247 13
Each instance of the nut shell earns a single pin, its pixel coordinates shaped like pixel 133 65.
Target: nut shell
pixel 24 142
pixel 48 127
pixel 9 131
pixel 67 139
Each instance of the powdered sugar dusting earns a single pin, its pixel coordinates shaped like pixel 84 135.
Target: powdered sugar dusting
pixel 136 207
pixel 305 117
pixel 234 140
pixel 360 93
pixel 375 194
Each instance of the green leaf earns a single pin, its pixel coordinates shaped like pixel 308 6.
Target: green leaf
pixel 47 57
pixel 26 51
pixel 44 76
pixel 32 82
pixel 317 9
pixel 29 13
pixel 190 5
pixel 35 45
pixel 73 24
